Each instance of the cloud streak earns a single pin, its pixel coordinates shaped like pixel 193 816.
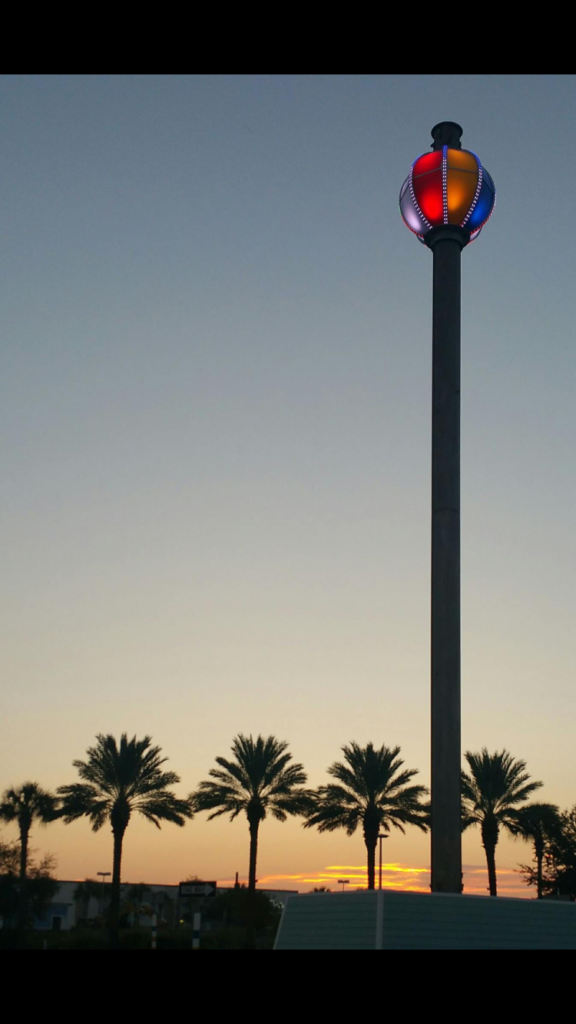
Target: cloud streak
pixel 397 875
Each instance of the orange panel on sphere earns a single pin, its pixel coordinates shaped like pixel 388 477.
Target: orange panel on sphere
pixel 462 160
pixel 461 191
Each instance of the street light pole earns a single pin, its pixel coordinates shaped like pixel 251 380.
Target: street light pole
pixel 381 836
pixel 446 200
pixel 446 853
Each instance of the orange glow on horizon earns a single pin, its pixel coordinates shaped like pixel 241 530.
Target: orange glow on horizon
pixel 391 866
pixel 398 876
pixel 357 875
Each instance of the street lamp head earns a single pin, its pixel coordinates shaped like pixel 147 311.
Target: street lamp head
pixel 447 133
pixel 447 189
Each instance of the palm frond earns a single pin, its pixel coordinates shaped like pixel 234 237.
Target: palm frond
pixel 82 800
pixel 259 778
pixel 373 789
pixel 211 795
pixel 164 807
pixel 124 775
pixel 329 815
pixel 236 771
pixel 28 803
pixel 493 788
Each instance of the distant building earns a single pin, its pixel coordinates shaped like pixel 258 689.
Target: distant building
pixel 163 900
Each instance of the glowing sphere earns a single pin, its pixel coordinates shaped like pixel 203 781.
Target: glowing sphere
pixel 447 186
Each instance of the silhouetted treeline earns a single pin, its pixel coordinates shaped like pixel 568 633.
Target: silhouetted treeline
pixel 554 870
pixel 372 791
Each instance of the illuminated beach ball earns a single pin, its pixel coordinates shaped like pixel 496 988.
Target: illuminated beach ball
pixel 447 186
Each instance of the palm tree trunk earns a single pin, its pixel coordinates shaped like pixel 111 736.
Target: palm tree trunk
pixel 253 856
pixel 371 848
pixel 539 847
pixel 251 931
pixel 491 861
pixel 539 879
pixel 489 831
pixel 23 896
pixel 115 889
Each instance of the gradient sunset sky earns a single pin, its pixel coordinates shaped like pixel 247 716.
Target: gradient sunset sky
pixel 215 418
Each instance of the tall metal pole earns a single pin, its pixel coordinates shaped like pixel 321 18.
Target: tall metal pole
pixel 446 200
pixel 446 243
pixel 445 605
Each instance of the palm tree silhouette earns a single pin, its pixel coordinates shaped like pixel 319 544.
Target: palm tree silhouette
pixel 259 780
pixel 538 824
pixel 26 804
pixel 120 779
pixel 372 791
pixel 490 793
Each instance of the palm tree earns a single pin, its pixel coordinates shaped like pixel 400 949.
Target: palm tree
pixel 372 791
pixel 120 779
pixel 496 784
pixel 537 824
pixel 259 780
pixel 26 804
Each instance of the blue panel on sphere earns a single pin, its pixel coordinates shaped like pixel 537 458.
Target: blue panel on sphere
pixel 487 177
pixel 483 207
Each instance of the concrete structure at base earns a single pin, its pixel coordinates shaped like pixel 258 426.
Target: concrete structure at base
pixel 411 920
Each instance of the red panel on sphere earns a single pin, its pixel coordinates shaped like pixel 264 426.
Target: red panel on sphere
pixel 428 192
pixel 427 162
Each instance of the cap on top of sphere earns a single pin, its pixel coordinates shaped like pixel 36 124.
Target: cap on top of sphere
pixel 447 133
pixel 448 186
